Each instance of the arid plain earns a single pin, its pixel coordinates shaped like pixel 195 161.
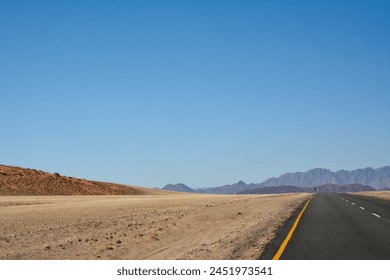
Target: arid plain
pixel 49 216
pixel 379 194
pixel 150 226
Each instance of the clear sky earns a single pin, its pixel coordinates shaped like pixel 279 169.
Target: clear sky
pixel 201 92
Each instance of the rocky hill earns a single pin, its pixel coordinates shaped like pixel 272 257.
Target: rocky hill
pixel 238 187
pixel 25 181
pixel 178 188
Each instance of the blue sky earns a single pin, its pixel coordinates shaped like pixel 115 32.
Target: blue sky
pixel 201 92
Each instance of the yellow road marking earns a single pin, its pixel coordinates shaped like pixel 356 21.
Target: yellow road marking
pixel 288 237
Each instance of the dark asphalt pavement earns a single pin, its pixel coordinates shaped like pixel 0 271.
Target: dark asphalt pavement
pixel 342 227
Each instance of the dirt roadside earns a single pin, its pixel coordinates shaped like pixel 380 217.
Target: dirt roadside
pixel 177 226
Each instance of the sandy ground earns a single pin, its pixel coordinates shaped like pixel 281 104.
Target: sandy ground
pixel 379 194
pixel 175 226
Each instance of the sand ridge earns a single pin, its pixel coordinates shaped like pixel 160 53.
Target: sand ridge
pixel 26 181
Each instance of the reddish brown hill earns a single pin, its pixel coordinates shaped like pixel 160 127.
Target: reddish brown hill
pixel 25 181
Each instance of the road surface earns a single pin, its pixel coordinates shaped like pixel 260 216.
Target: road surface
pixel 339 227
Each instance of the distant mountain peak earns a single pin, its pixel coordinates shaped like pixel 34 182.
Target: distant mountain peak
pixel 179 187
pixel 317 169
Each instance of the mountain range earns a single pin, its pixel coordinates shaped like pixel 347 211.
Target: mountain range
pixel 368 177
pixel 328 188
pixel 376 178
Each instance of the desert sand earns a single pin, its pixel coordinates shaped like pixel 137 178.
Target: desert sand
pixel 172 226
pixel 379 194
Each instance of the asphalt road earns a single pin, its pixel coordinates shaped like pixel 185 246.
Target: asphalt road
pixel 341 227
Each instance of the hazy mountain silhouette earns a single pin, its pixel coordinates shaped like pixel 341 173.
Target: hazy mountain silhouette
pixel 328 188
pixel 178 188
pixel 375 178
